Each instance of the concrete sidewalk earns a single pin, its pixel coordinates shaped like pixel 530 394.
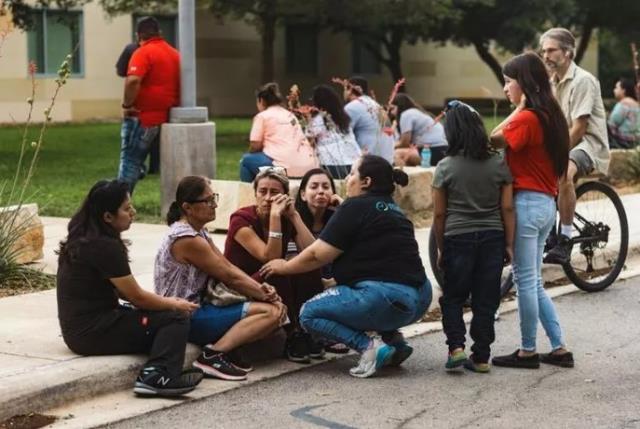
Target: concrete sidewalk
pixel 37 370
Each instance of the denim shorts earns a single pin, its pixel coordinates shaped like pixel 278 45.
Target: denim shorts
pixel 209 323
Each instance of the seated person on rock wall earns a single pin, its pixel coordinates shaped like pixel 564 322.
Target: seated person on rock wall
pixel 260 233
pixel 624 121
pixel 93 271
pixel 276 138
pixel 188 265
pixel 417 130
pixel 381 283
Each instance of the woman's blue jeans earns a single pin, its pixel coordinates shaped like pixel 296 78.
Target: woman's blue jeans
pixel 535 216
pixel 249 164
pixel 344 313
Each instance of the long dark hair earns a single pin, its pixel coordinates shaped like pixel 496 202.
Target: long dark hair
pixel 189 189
pixel 466 133
pixel 325 98
pixel 403 102
pixel 530 73
pixel 301 206
pixel 88 223
pixel 270 94
pixel 383 176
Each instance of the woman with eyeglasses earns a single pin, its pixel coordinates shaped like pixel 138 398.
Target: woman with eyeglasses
pixel 188 264
pixel 473 223
pixel 93 272
pixel 417 130
pixel 536 138
pixel 381 283
pixel 276 138
pixel 260 233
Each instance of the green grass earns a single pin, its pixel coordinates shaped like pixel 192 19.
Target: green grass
pixel 75 156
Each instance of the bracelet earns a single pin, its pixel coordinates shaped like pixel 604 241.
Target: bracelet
pixel 273 234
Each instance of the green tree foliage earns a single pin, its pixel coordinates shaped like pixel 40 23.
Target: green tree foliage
pixel 388 24
pixel 509 25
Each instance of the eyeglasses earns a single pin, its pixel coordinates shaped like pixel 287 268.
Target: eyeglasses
pixel 266 169
pixel 212 201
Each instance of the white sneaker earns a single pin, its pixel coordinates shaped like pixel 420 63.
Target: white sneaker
pixel 377 355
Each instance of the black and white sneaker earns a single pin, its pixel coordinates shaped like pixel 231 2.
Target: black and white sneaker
pixel 156 382
pixel 296 348
pixel 316 348
pixel 216 364
pixel 238 360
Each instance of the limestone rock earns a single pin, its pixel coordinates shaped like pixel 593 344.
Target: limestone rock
pixel 31 241
pixel 233 195
pixel 415 198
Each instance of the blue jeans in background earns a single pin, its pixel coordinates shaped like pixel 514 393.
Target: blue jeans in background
pixel 344 313
pixel 249 164
pixel 472 265
pixel 136 142
pixel 535 216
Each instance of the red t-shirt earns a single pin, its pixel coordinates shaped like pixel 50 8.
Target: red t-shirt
pixel 158 64
pixel 530 165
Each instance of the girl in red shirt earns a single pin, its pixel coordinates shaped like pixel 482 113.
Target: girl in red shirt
pixel 536 138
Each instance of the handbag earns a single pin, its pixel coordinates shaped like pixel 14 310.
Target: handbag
pixel 220 295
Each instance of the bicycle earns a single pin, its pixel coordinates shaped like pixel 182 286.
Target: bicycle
pixel 599 244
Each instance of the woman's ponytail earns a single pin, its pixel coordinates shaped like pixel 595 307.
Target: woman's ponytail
pixel 174 214
pixel 400 177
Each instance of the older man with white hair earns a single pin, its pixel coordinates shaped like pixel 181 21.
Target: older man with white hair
pixel 578 93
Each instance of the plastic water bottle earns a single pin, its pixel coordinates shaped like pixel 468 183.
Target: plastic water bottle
pixel 425 156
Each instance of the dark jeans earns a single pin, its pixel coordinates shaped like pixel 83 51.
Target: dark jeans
pixel 295 290
pixel 161 334
pixel 472 265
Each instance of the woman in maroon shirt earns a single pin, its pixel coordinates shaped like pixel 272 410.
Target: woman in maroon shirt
pixel 260 233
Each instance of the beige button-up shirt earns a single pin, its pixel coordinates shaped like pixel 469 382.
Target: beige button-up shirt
pixel 579 95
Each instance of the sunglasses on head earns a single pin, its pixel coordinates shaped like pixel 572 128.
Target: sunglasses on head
pixel 272 169
pixel 457 103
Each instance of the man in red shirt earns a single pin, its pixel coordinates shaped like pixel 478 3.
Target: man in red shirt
pixel 151 88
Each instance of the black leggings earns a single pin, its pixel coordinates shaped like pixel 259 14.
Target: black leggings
pixel 161 334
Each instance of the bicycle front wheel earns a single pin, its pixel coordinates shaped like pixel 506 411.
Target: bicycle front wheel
pixel 600 239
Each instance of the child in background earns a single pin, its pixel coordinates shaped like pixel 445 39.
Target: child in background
pixel 474 227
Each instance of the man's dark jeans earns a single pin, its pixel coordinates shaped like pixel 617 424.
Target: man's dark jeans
pixel 472 264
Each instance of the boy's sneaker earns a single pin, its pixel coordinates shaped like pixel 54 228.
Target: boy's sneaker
pixel 216 364
pixel 403 351
pixel 296 348
pixel 480 367
pixel 455 360
pixel 564 360
pixel 375 357
pixel 156 382
pixel 236 359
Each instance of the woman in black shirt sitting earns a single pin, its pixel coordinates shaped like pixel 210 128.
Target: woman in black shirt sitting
pixel 93 271
pixel 381 283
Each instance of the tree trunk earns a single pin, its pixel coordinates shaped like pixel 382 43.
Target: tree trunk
pixel 268 38
pixel 587 30
pixel 490 60
pixel 394 62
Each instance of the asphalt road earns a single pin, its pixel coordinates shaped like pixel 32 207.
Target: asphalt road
pixel 602 391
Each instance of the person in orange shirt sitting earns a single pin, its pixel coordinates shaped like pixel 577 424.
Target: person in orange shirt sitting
pixel 152 88
pixel 276 138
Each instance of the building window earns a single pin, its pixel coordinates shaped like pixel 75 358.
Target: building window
pixel 362 59
pixel 52 36
pixel 302 49
pixel 168 27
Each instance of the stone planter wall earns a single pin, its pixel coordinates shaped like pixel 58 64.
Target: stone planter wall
pixel 31 241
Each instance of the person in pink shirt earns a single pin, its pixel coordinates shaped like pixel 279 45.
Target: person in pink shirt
pixel 276 138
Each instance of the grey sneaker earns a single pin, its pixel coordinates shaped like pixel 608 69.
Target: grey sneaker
pixel 153 381
pixel 375 357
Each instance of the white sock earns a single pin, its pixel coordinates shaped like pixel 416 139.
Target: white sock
pixel 566 230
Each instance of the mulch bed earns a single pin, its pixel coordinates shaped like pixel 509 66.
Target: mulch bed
pixel 29 421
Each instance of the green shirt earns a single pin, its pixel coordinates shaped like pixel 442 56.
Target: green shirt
pixel 473 191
